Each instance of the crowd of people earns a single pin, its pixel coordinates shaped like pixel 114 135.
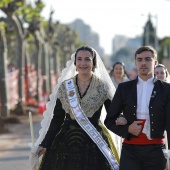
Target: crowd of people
pixel 74 138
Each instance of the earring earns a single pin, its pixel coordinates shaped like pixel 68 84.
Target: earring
pixel 93 68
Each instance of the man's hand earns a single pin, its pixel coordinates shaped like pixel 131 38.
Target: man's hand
pixel 135 128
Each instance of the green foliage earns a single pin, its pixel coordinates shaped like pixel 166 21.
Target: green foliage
pixel 164 45
pixel 28 11
pixel 4 3
pixel 45 23
pixel 19 4
pixel 11 5
pixel 2 26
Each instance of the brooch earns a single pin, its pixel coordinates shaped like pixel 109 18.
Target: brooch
pixel 154 94
pixel 71 93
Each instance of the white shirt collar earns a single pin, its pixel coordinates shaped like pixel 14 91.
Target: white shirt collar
pixel 150 80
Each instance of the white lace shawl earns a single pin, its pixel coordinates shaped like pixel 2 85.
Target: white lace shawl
pixel 70 71
pixel 91 102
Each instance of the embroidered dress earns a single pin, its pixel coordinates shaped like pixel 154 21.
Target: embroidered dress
pixel 68 145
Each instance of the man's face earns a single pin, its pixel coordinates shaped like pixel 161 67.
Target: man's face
pixel 145 64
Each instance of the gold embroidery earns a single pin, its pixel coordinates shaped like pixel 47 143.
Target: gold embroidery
pixel 71 93
pixel 91 102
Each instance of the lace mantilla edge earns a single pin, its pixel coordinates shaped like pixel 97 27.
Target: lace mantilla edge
pixel 91 102
pixel 68 72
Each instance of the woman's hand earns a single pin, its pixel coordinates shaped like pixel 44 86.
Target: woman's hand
pixel 167 166
pixel 40 151
pixel 121 121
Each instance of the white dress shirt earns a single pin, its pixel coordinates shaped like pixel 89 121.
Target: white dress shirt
pixel 144 91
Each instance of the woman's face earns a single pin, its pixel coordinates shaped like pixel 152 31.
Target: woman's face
pixel 160 73
pixel 84 62
pixel 118 71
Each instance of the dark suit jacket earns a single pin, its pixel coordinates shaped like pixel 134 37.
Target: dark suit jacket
pixel 125 100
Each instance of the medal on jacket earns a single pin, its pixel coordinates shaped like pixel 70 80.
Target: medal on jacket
pixel 154 94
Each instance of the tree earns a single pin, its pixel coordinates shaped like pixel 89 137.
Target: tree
pixel 164 49
pixel 9 7
pixel 3 71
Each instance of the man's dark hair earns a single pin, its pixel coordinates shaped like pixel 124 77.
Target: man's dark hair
pixel 147 48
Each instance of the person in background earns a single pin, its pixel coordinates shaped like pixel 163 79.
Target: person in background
pixel 118 73
pixel 145 103
pixel 162 73
pixel 76 139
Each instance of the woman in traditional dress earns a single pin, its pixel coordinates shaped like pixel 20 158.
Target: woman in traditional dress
pixel 118 73
pixel 72 136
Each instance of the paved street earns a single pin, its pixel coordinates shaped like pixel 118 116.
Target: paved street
pixel 14 150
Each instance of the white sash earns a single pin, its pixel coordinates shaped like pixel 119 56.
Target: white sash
pixel 86 125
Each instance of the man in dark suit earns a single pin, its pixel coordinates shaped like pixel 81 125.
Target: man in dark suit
pixel 145 103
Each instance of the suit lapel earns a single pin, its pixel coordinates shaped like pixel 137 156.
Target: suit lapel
pixel 134 91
